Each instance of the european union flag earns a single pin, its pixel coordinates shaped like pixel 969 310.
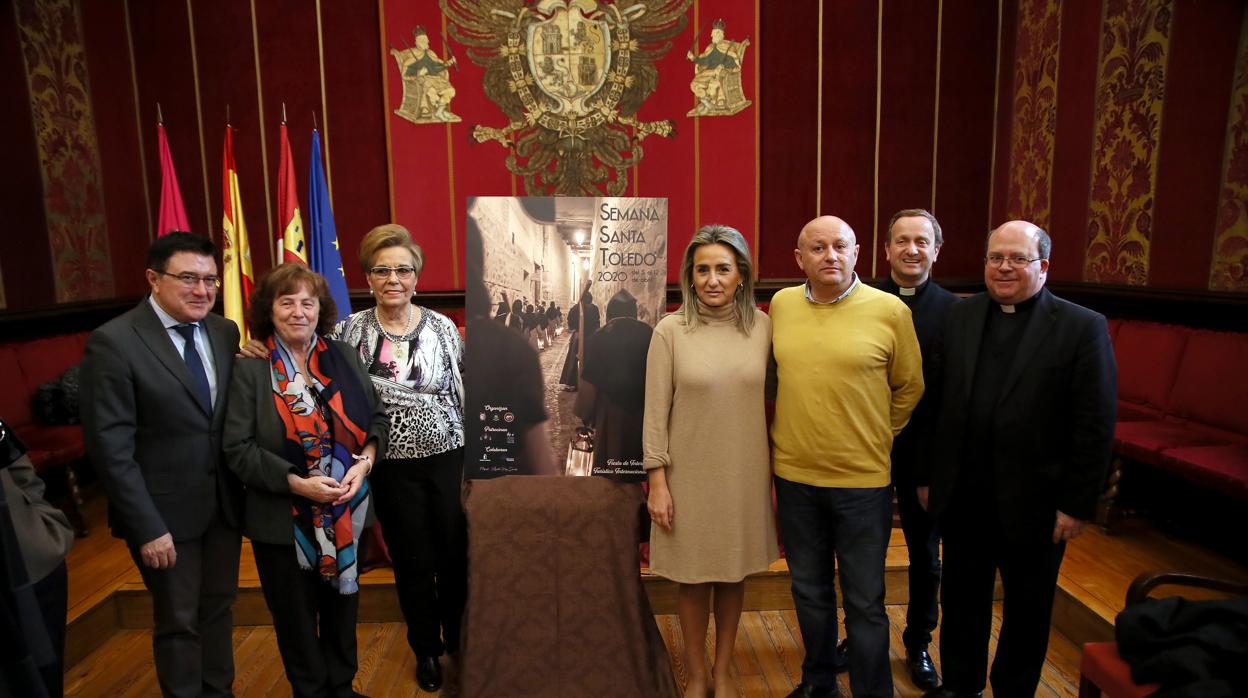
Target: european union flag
pixel 326 259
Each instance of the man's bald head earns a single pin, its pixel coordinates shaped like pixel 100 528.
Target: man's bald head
pixel 827 251
pixel 1044 244
pixel 1017 261
pixel 830 224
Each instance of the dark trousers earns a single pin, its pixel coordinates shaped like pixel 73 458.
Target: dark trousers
pixel 824 526
pixel 923 545
pixel 52 593
pixel 422 520
pixel 315 625
pixel 192 604
pixel 975 548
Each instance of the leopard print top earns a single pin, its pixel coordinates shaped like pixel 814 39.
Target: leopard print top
pixel 420 380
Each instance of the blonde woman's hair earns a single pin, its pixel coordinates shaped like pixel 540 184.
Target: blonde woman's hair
pixel 389 235
pixel 743 297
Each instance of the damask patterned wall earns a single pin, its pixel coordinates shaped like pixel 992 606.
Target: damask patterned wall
pixel 69 160
pixel 1135 38
pixel 1033 141
pixel 1115 145
pixel 1230 245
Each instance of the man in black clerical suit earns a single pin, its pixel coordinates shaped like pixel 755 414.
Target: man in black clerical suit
pixel 154 386
pixel 913 244
pixel 1027 406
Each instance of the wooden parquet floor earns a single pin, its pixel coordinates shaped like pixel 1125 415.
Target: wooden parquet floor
pixel 767 660
pixel 1096 572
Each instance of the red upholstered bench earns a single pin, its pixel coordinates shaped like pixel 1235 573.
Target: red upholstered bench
pixel 1180 408
pixel 1103 671
pixel 24 366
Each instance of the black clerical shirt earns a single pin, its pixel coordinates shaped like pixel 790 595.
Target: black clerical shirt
pixel 1002 333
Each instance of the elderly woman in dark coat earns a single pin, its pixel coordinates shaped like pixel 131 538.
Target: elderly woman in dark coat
pixel 303 430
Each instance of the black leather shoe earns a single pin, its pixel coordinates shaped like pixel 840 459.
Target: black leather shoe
pixel 805 690
pixel 946 693
pixel 922 670
pixel 429 674
pixel 841 664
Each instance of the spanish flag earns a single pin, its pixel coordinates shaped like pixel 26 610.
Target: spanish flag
pixel 236 252
pixel 293 247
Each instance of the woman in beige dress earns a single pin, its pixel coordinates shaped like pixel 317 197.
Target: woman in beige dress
pixel 705 443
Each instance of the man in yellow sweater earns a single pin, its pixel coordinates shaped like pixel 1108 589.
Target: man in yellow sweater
pixel 849 373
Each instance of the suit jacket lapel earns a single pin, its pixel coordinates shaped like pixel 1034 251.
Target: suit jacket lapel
pixel 1033 337
pixel 153 334
pixel 974 336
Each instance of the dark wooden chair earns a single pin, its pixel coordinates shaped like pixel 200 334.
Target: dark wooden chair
pixel 1103 670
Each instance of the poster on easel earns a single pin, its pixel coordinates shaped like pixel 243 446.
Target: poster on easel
pixel 562 297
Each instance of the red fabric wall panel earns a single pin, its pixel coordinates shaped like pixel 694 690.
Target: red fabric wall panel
pixel 229 78
pixel 725 173
pixel 849 97
pixel 907 125
pixel 964 135
pixel 667 166
pixel 356 129
pixel 108 70
pixel 1189 168
pixel 435 167
pixel 289 73
pixel 24 248
pixel 789 107
pixel 1072 160
pixel 1005 113
pixel 162 56
pixel 357 134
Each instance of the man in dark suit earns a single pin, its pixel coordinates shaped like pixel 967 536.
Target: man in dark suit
pixel 913 245
pixel 154 384
pixel 1027 407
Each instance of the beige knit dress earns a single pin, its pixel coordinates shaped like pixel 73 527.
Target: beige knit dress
pixel 704 423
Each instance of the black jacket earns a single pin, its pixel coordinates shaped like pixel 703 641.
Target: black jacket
pixel 929 306
pixel 1053 426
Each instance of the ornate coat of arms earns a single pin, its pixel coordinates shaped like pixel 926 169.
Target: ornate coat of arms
pixel 570 75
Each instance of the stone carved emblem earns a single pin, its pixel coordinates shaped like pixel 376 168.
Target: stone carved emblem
pixel 570 76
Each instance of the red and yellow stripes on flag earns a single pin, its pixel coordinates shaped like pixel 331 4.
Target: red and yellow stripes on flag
pixel 236 251
pixel 293 247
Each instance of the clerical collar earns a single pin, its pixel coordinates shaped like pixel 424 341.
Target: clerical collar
pixel 891 285
pixel 853 285
pixel 1023 307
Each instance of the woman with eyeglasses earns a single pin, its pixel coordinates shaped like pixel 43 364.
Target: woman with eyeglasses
pixel 414 357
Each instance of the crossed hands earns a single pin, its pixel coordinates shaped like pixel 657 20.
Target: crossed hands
pixel 327 490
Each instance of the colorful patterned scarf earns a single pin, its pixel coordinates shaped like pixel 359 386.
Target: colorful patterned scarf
pixel 323 410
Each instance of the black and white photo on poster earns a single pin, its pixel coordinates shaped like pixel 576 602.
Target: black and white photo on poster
pixel 578 284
